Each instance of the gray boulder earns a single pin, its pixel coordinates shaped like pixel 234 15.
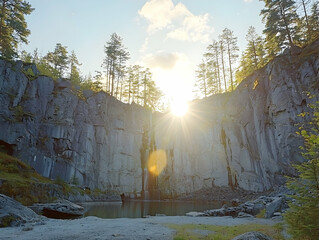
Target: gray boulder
pixel 13 213
pixel 274 206
pixel 59 209
pixel 252 236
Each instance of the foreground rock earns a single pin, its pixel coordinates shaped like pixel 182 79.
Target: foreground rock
pixel 59 209
pixel 252 236
pixel 13 213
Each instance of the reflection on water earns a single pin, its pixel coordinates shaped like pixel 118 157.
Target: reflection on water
pixel 138 209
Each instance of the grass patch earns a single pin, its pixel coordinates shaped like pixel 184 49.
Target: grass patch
pixel 191 231
pixel 18 180
pixel 261 214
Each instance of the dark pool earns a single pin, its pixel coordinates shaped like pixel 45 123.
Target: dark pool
pixel 138 209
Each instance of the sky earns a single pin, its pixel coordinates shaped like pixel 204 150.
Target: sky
pixel 167 36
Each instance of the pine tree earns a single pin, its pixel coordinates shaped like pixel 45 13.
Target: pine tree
pixel 280 20
pixel 114 63
pixel 222 58
pixel 13 27
pixel 58 59
pixel 253 57
pixel 215 58
pixel 314 20
pixel 302 217
pixel 231 49
pixel 74 70
pixel 304 4
pixel 202 75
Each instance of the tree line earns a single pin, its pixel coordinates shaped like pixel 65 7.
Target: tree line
pixel 288 24
pixel 126 83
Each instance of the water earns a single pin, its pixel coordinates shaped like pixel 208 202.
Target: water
pixel 138 209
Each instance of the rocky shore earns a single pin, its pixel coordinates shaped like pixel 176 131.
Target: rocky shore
pixel 21 222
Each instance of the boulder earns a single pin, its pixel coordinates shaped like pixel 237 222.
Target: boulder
pixel 273 206
pixel 252 236
pixel 13 213
pixel 61 209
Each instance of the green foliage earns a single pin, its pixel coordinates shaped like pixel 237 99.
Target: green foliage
pixel 19 181
pixel 46 70
pixel 139 87
pixel 74 180
pixel 6 221
pixel 67 189
pixel 30 74
pixel 280 20
pixel 13 27
pixel 220 56
pixel 19 113
pixel 74 71
pixel 58 59
pixel 302 217
pixel 114 63
pixel 190 231
pixel 261 214
pixel 253 57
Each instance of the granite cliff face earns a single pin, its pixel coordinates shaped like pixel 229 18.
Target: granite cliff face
pixel 244 139
pixel 67 133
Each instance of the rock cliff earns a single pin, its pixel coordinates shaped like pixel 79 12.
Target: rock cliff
pixel 245 139
pixel 64 132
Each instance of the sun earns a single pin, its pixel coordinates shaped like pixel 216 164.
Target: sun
pixel 179 108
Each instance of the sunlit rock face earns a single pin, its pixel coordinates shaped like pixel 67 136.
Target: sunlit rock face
pixel 244 139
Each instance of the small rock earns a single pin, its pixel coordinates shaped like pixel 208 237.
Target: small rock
pixel 27 228
pixel 195 214
pixel 252 236
pixel 244 215
pixel 160 215
pixel 235 202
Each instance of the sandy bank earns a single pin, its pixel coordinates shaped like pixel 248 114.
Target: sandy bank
pixel 93 228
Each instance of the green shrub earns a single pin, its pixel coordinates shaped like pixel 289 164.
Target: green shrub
pixel 303 216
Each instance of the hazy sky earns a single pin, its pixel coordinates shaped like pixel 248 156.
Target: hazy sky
pixel 168 36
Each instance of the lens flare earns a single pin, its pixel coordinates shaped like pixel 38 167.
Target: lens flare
pixel 157 162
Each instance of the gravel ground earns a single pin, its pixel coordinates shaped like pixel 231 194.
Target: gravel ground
pixel 93 228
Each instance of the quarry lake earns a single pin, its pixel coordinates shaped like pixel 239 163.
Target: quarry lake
pixel 139 209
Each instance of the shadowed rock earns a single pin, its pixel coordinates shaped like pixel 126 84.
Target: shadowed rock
pixel 13 213
pixel 252 236
pixel 59 209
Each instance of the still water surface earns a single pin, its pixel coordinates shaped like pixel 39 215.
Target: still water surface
pixel 138 209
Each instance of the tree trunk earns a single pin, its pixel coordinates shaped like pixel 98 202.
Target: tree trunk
pixel 282 12
pixel 307 21
pixel 255 55
pixel 223 66
pixel 230 69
